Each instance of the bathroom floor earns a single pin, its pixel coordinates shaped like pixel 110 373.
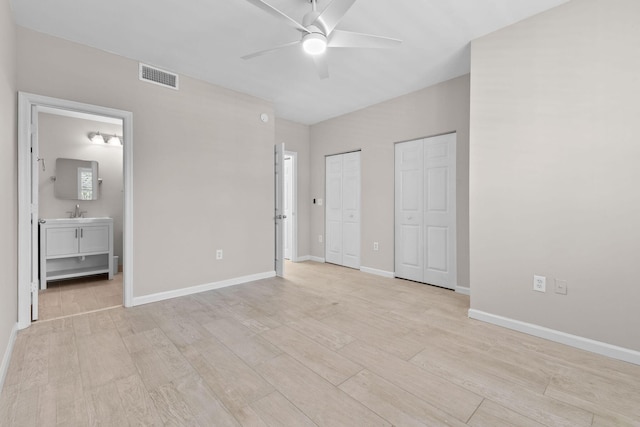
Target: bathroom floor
pixel 69 297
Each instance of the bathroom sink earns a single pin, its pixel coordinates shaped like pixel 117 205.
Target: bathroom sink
pixel 74 220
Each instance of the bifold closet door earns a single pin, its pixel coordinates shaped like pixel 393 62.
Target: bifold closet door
pixel 425 210
pixel 342 227
pixel 409 201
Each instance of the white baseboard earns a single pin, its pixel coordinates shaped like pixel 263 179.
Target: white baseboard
pixel 316 259
pixel 303 258
pixel 377 272
pixel 582 343
pixel 6 359
pixel 161 296
pixel 464 290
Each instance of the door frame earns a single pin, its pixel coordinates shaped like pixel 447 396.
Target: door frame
pixel 26 102
pixel 278 211
pixel 294 204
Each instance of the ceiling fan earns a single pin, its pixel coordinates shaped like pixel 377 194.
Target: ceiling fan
pixel 319 33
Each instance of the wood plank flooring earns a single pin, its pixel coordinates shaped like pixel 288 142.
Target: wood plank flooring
pixel 327 346
pixel 70 297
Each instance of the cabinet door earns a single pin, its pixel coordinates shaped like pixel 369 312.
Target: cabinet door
pixel 62 241
pixel 94 239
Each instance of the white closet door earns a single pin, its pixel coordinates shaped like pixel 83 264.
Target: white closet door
pixel 333 210
pixel 425 210
pixel 342 213
pixel 351 209
pixel 440 210
pixel 409 204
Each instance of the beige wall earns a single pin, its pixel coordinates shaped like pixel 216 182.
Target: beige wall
pixel 435 110
pixel 203 163
pixel 67 137
pixel 296 138
pixel 554 170
pixel 8 179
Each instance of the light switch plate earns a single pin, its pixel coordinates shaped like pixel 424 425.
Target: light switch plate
pixel 561 287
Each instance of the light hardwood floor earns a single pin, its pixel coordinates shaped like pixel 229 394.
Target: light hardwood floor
pixel 327 346
pixel 82 295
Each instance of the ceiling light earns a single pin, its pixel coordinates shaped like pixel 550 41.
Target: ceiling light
pixel 314 43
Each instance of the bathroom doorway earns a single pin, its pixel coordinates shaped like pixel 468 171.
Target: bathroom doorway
pixel 80 197
pixel 286 208
pixel 67 131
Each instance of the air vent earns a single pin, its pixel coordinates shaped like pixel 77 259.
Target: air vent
pixel 158 76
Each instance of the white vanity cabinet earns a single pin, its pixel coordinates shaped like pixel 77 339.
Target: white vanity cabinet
pixel 75 247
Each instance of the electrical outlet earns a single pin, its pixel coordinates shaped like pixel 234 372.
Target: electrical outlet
pixel 319 238
pixel 540 283
pixel 219 254
pixel 561 287
pixel 375 246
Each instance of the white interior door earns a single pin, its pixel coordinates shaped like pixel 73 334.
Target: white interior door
pixel 342 213
pixel 279 208
pixel 440 210
pixel 351 209
pixel 333 210
pixel 288 207
pixel 409 196
pixel 36 163
pixel 425 210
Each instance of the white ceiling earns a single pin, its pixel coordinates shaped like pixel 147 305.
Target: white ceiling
pixel 206 38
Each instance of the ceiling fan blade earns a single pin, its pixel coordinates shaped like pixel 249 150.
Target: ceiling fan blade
pixel 340 38
pixel 332 14
pixel 280 15
pixel 322 66
pixel 273 49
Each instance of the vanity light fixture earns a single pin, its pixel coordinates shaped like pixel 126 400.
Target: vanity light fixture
pixel 97 137
pixel 115 139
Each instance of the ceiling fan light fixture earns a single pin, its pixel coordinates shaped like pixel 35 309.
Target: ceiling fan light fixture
pixel 314 43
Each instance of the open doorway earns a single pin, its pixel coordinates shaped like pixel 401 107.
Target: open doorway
pixel 86 238
pixel 80 212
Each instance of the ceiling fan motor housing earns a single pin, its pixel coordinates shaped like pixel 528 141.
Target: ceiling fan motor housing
pixel 309 22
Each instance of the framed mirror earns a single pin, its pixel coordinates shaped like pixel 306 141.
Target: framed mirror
pixel 76 179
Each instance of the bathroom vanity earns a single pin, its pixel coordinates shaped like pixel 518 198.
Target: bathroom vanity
pixel 75 247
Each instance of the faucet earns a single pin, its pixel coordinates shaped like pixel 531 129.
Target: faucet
pixel 77 213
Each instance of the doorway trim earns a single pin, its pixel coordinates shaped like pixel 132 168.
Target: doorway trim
pixel 25 103
pixel 294 203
